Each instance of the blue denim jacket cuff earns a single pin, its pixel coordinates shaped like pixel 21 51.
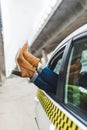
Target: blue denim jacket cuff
pixel 34 77
pixel 40 69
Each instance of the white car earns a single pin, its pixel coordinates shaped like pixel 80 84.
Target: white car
pixel 67 109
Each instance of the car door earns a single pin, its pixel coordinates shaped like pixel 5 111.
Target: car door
pixel 75 93
pixel 67 109
pixel 71 97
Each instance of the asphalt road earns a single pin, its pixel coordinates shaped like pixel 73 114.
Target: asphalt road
pixel 17 105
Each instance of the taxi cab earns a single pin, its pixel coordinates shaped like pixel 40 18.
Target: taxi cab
pixel 67 109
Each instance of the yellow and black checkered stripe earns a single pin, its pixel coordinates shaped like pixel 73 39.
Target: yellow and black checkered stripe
pixel 56 116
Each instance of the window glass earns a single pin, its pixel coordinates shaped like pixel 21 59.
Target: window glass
pixel 57 66
pixel 76 79
pixel 55 62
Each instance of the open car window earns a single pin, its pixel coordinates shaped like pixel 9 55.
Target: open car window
pixel 56 61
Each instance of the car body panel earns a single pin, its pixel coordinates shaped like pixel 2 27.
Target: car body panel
pixel 61 116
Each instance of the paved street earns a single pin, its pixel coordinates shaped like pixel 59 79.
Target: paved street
pixel 17 105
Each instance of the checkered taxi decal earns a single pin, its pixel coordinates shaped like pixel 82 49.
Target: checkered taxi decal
pixel 56 116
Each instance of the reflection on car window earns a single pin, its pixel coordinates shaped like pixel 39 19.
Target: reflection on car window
pixel 84 61
pixel 57 67
pixel 76 81
pixel 55 63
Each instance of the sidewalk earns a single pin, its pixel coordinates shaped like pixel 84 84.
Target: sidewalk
pixel 17 105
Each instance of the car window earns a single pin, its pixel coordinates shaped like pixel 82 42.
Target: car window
pixel 76 79
pixel 55 64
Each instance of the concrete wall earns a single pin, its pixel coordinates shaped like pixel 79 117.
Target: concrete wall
pixel 2 67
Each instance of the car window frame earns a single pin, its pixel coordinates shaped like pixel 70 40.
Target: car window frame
pixel 51 63
pixel 64 48
pixel 62 75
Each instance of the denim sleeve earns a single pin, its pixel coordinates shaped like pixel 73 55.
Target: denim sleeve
pixel 49 76
pixel 47 80
pixel 39 82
